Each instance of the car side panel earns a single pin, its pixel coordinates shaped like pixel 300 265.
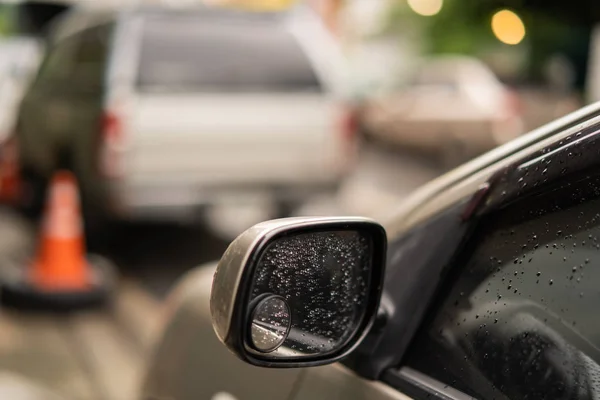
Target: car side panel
pixel 190 363
pixel 337 382
pixel 37 129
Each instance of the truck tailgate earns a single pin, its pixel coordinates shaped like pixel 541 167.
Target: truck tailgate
pixel 232 139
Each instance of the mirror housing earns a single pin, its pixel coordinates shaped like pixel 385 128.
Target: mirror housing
pixel 299 292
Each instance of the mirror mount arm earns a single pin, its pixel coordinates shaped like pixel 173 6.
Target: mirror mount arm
pixel 360 360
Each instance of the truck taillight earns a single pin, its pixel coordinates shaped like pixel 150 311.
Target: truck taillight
pixel 9 152
pixel 349 124
pixel 111 145
pixel 10 183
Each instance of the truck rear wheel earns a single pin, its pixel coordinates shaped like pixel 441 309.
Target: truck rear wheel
pixel 33 193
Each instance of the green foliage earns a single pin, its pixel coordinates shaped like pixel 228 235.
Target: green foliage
pixel 460 26
pixel 6 19
pixel 464 27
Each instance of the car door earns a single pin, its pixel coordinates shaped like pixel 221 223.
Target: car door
pixel 42 120
pixel 518 317
pixel 515 315
pixel 86 106
pixel 60 117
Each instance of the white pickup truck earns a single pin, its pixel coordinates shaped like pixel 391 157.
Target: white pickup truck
pixel 162 112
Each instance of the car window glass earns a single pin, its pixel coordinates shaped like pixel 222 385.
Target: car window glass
pixel 435 80
pixel 90 57
pixel 58 62
pixel 519 316
pixel 79 59
pixel 185 54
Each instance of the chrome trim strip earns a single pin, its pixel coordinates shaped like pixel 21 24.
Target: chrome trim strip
pixel 557 150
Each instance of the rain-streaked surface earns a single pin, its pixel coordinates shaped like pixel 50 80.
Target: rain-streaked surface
pixel 519 320
pixel 324 277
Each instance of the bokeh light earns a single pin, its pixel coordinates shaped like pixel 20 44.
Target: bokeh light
pixel 508 27
pixel 426 7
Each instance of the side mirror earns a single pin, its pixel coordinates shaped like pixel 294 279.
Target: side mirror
pixel 299 292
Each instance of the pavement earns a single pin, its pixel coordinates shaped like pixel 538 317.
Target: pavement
pixel 96 355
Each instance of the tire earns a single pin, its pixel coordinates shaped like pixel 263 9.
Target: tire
pixel 99 227
pixel 33 193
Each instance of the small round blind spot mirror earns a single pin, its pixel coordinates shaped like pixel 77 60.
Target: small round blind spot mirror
pixel 270 324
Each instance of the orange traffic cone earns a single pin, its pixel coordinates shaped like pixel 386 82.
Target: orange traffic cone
pixel 61 276
pixel 10 182
pixel 61 262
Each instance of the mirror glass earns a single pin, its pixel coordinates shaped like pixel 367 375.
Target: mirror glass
pixel 311 289
pixel 270 323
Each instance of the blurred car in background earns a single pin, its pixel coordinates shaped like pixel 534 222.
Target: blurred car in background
pixel 455 107
pixel 160 112
pixel 19 58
